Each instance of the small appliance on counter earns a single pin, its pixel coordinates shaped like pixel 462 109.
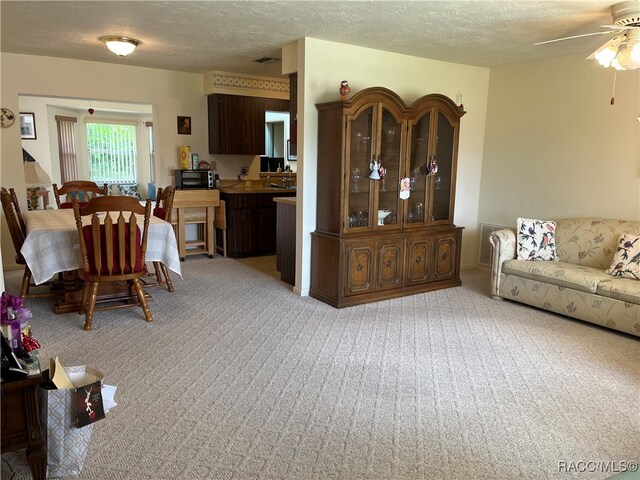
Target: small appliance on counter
pixel 194 179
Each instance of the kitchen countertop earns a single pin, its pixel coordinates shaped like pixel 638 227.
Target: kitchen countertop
pixel 277 174
pixel 254 187
pixel 285 200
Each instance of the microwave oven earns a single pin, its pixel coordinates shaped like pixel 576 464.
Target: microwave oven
pixel 194 179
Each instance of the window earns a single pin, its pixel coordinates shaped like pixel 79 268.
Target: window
pixel 112 152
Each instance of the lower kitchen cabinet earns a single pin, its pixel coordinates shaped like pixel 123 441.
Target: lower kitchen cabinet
pixel 366 268
pixel 251 223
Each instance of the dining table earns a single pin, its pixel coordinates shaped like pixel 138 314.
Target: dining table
pixel 52 245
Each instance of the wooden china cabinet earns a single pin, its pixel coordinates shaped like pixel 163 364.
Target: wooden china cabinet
pixel 370 244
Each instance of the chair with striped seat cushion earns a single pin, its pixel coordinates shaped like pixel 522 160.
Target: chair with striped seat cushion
pixel 18 232
pixel 77 190
pixel 163 210
pixel 113 246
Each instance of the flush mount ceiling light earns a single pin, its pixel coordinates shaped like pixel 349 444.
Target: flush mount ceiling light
pixel 119 45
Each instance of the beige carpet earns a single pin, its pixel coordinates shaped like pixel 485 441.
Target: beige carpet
pixel 238 378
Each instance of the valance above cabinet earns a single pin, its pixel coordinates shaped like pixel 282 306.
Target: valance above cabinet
pixel 237 123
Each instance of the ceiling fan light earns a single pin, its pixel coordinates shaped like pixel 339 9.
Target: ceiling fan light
pixel 121 46
pixel 605 56
pixel 615 63
pixel 625 58
pixel 635 53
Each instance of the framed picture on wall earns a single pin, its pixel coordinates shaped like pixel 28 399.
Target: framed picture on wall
pixel 28 125
pixel 184 125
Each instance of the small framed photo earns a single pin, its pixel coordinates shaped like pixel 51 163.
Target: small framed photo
pixel 184 125
pixel 28 125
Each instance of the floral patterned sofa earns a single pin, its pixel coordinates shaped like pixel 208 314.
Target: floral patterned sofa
pixel 577 285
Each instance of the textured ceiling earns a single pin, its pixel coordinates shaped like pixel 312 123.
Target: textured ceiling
pixel 228 36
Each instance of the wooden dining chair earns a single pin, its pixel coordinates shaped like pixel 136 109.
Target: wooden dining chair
pixel 18 232
pixel 82 190
pixel 112 249
pixel 163 210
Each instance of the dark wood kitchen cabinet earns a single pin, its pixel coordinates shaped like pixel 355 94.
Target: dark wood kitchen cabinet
pixel 237 123
pixel 370 242
pixel 251 222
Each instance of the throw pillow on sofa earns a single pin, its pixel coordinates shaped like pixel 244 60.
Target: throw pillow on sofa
pixel 536 239
pixel 130 191
pixel 626 260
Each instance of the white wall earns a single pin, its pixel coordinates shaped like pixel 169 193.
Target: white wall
pixel 38 148
pixel 171 94
pixel 323 65
pixel 556 148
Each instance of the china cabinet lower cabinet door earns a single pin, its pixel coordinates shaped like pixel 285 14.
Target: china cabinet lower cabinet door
pixel 446 250
pixel 418 260
pixel 390 260
pixel 360 265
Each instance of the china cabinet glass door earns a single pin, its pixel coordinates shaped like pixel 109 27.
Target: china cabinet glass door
pixel 360 134
pixel 391 139
pixel 442 180
pixel 418 201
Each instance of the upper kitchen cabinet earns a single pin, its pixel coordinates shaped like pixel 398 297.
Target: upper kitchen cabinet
pixel 237 123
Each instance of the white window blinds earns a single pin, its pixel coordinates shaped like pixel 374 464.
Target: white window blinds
pixel 112 152
pixel 67 148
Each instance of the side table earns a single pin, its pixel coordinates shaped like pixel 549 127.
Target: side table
pixel 21 422
pixel 195 207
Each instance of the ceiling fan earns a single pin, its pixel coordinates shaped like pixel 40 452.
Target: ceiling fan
pixel 621 52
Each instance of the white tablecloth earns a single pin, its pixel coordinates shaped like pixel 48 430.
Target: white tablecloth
pixel 52 244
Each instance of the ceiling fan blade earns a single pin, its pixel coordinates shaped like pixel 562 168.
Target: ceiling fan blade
pixel 620 27
pixel 577 36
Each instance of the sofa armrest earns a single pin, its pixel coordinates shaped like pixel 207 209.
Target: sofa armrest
pixel 503 243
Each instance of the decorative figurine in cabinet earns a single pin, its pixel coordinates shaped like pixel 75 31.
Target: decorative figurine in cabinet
pixel 369 243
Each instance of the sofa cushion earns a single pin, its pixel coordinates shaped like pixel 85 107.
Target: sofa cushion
pixel 624 289
pixel 626 260
pixel 561 274
pixel 130 190
pixel 591 241
pixel 536 239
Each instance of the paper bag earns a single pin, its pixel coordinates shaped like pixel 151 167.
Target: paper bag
pixel 67 445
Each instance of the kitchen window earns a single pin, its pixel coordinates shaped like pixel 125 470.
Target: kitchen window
pixel 112 152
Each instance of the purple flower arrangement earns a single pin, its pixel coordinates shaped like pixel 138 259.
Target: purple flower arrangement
pixel 14 317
